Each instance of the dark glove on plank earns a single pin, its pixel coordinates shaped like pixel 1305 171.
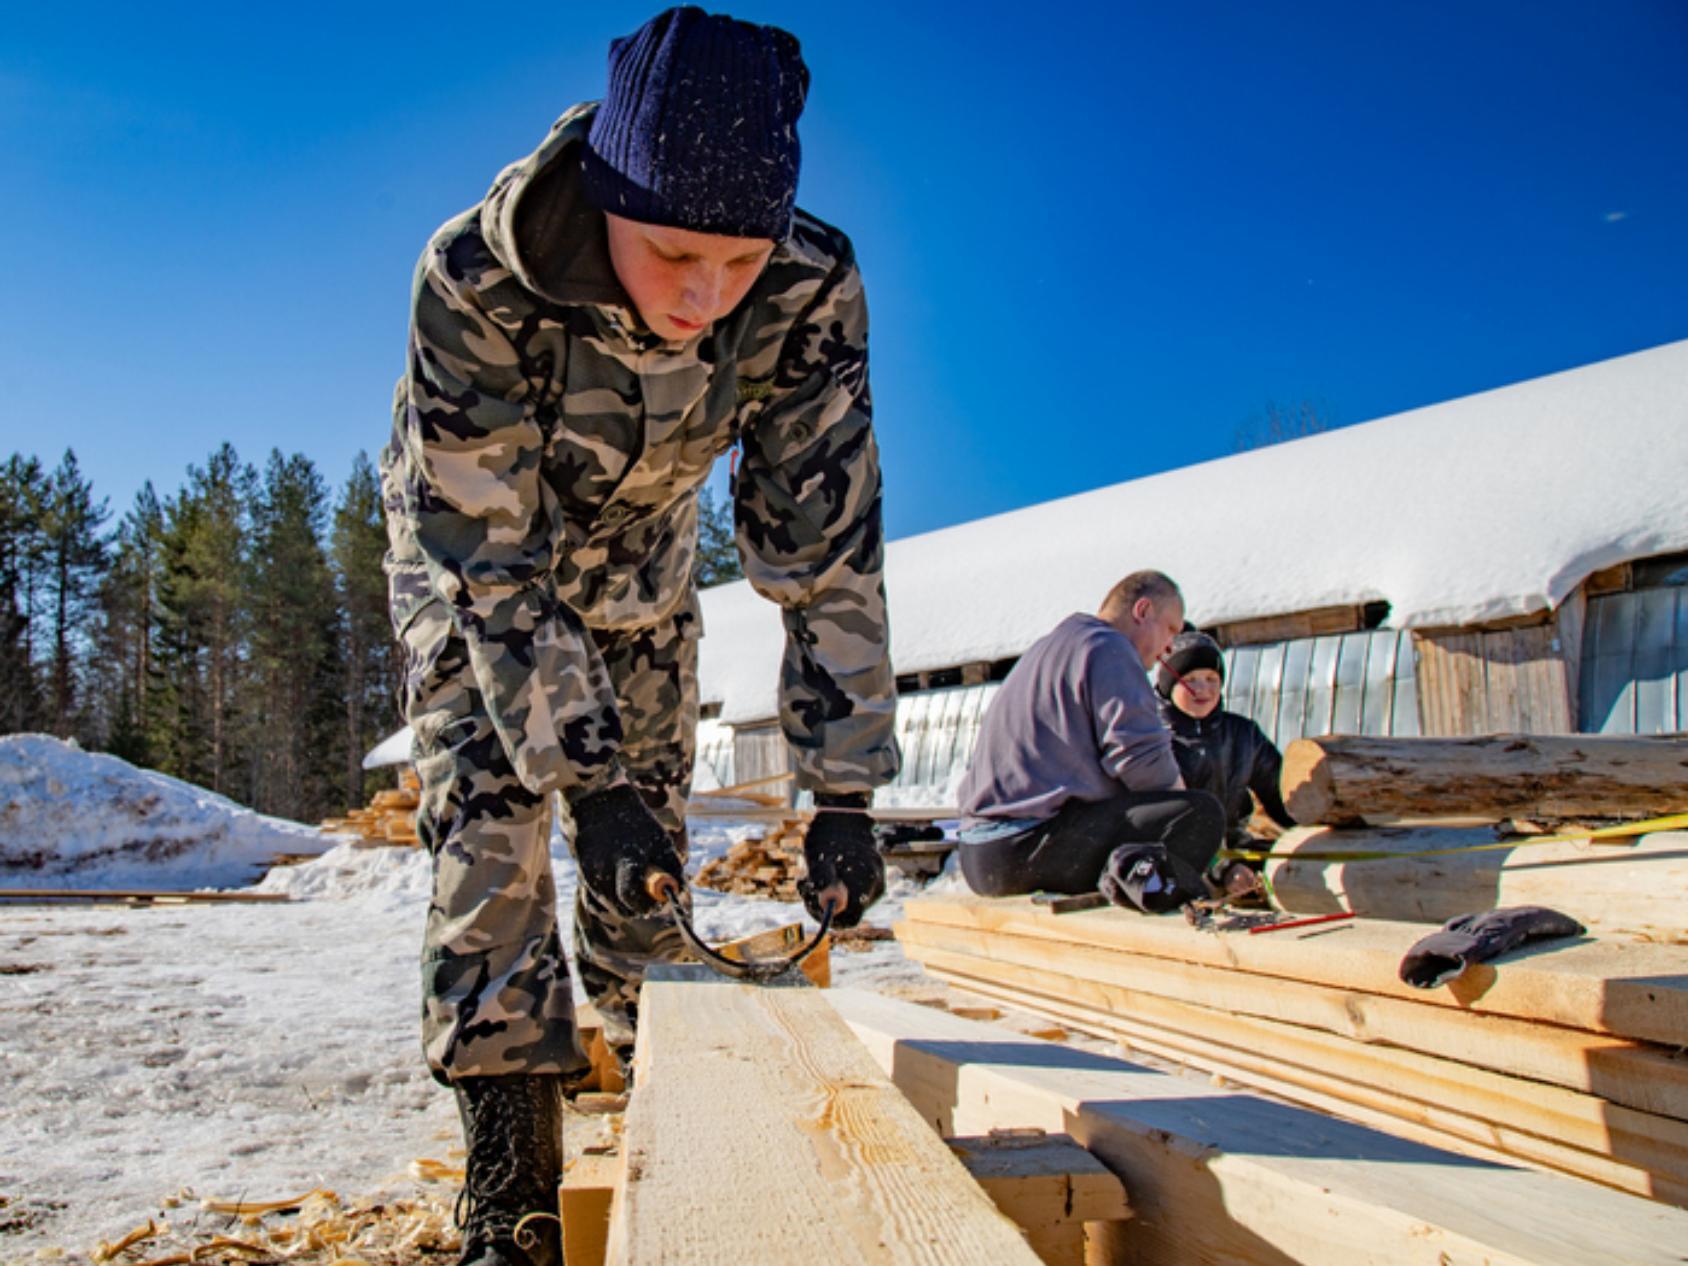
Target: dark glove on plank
pixel 1476 938
pixel 617 842
pixel 839 848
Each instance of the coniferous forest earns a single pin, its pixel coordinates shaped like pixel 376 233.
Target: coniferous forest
pixel 232 633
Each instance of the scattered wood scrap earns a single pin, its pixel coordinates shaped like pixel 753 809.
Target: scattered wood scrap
pixel 1219 1176
pixel 389 818
pixel 761 1132
pixel 767 865
pixel 1549 1063
pixel 316 1229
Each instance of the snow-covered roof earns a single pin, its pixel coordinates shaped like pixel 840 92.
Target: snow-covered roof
pixel 1486 507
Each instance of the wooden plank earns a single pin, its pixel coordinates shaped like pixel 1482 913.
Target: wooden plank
pixel 1430 1124
pixel 1222 1177
pixel 760 1132
pixel 1343 779
pixel 1620 887
pixel 1047 1185
pixel 1638 1075
pixel 1578 1133
pixel 1616 988
pixel 140 894
pixel 584 1200
pixel 1569 622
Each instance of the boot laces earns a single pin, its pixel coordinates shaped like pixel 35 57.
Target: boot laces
pixel 504 1126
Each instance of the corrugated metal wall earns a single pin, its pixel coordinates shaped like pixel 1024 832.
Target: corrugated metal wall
pixel 1348 683
pixel 937 730
pixel 1634 676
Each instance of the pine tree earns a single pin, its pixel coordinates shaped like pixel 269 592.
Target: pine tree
pixel 369 654
pixel 294 736
pixel 195 707
pixel 75 560
pixel 717 551
pixel 128 629
pixel 23 490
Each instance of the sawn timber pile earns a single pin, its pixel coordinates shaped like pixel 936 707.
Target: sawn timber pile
pixel 764 866
pixel 1567 1058
pixel 390 817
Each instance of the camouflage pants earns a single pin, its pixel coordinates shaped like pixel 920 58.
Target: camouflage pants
pixel 496 991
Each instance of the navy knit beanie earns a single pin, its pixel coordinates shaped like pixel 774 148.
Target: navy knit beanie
pixel 699 127
pixel 1191 649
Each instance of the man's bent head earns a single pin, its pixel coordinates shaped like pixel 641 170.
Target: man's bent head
pixel 1147 607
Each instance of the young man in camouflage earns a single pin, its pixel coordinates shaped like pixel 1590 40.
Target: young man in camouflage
pixel 626 304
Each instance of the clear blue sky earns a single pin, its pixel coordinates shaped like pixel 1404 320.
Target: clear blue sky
pixel 1097 238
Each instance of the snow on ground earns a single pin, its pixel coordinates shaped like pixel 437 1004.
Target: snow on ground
pixel 75 819
pixel 240 1051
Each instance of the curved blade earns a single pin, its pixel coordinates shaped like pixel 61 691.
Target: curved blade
pixel 755 970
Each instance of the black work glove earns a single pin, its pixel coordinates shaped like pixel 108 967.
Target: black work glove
pixel 839 848
pixel 1147 877
pixel 617 843
pixel 1476 938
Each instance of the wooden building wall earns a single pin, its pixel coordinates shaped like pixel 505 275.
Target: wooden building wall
pixel 1495 681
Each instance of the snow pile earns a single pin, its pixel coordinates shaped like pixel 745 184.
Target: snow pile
pixel 75 819
pixel 1483 508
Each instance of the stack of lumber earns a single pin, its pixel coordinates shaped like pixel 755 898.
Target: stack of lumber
pixel 1224 1177
pixel 1425 829
pixel 1568 1056
pixel 767 865
pixel 389 818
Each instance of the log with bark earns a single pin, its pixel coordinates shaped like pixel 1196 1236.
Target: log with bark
pixel 1342 780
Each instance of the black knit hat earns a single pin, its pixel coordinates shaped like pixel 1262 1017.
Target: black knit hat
pixel 1191 649
pixel 699 127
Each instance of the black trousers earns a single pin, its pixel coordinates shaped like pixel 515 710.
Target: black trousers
pixel 1067 853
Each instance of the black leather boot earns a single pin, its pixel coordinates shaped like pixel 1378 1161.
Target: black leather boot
pixel 513 1131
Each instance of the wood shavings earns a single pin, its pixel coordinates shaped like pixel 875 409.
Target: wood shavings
pixel 104 1252
pixel 240 1208
pixel 315 1229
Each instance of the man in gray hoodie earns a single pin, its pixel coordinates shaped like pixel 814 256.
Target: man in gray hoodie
pixel 1074 762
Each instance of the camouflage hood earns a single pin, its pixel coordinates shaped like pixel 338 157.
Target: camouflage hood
pixel 537 222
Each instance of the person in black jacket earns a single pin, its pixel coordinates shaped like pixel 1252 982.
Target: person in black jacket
pixel 1220 752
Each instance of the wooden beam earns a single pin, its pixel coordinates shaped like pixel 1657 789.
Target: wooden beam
pixel 1048 1186
pixel 1220 1177
pixel 1339 780
pixel 1323 621
pixel 760 1132
pixel 1638 1075
pixel 141 896
pixel 1621 887
pixel 1430 1125
pixel 1576 1133
pixel 1621 989
pixel 587 1192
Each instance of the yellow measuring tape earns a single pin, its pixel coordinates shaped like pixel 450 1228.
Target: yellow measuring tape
pixel 1623 831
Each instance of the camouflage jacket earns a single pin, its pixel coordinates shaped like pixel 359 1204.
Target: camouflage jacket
pixel 546 454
